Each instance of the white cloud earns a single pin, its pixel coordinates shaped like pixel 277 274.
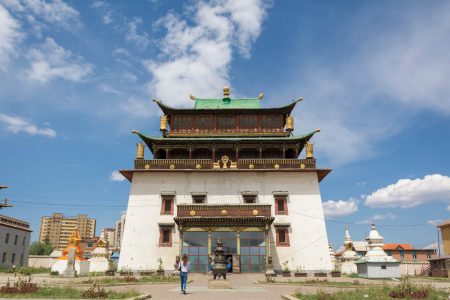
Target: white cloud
pixel 17 124
pixel 139 39
pixel 55 11
pixel 411 192
pixel 340 208
pixel 197 54
pixel 116 176
pixel 10 35
pixel 435 222
pixel 372 92
pixel 51 61
pixel 378 217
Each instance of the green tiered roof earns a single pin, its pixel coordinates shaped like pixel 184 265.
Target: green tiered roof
pixel 227 103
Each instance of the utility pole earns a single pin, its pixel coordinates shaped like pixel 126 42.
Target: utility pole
pixel 5 201
pixel 439 244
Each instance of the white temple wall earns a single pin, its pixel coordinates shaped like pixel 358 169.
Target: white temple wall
pixel 307 232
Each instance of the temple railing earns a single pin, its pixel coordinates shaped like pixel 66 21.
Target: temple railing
pixel 249 164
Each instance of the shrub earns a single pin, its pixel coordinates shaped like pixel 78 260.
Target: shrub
pixel 95 291
pixel 21 286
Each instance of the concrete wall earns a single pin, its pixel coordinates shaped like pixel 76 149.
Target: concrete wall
pixel 375 270
pixel 19 248
pixel 445 233
pixel 40 261
pixel 307 233
pixel 414 268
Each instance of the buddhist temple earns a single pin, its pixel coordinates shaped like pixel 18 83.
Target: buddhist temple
pixel 226 168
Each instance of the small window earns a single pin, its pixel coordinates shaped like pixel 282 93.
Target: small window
pixel 282 237
pixel 204 122
pixel 281 205
pixel 248 121
pixel 249 198
pixel 272 121
pixel 13 258
pixel 23 241
pixel 226 122
pixel 165 237
pixel 16 238
pixel 428 254
pixel 182 122
pixel 7 238
pixel 198 199
pixel 383 267
pixel 4 257
pixel 21 260
pixel 167 204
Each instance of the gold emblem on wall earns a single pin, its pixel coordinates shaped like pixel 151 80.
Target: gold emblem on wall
pixel 192 213
pixel 276 166
pixel 147 166
pixel 172 167
pixel 255 212
pixel 224 212
pixel 251 166
pixel 198 166
pixel 302 166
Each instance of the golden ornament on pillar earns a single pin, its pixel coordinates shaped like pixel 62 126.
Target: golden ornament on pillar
pixel 163 123
pixel 309 150
pixel 289 123
pixel 140 151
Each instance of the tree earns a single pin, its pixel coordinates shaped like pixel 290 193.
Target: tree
pixel 38 248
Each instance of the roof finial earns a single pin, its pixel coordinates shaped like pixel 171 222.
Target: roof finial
pixel 260 96
pixel 192 97
pixel 226 92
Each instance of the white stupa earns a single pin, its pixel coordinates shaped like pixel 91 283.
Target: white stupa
pixel 349 256
pixel 376 263
pixel 99 261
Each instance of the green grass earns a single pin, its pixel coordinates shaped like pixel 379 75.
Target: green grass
pixel 67 293
pixel 319 282
pixel 373 293
pixel 26 271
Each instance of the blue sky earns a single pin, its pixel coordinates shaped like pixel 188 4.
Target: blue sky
pixel 77 77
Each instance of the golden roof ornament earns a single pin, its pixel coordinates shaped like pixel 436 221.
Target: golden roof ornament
pixel 289 123
pixel 140 151
pixel 192 97
pixel 226 92
pixel 163 123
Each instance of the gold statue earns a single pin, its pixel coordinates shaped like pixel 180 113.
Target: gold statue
pixel 226 92
pixel 140 151
pixel 73 242
pixel 309 150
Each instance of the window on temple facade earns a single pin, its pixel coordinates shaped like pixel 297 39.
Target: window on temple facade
pixel 248 121
pixel 165 237
pixel 16 239
pixel 4 257
pixel 271 121
pixel 167 204
pixel 282 237
pixel 204 122
pixel 13 258
pixel 182 122
pixel 249 198
pixel 281 205
pixel 199 198
pixel 7 238
pixel 226 122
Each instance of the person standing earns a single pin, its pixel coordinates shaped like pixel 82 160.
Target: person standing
pixel 183 267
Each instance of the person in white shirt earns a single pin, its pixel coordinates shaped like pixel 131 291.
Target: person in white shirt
pixel 183 267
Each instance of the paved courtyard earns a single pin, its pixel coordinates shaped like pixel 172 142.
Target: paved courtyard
pixel 244 286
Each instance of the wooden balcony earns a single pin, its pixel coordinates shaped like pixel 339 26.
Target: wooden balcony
pixel 214 215
pixel 224 210
pixel 245 164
